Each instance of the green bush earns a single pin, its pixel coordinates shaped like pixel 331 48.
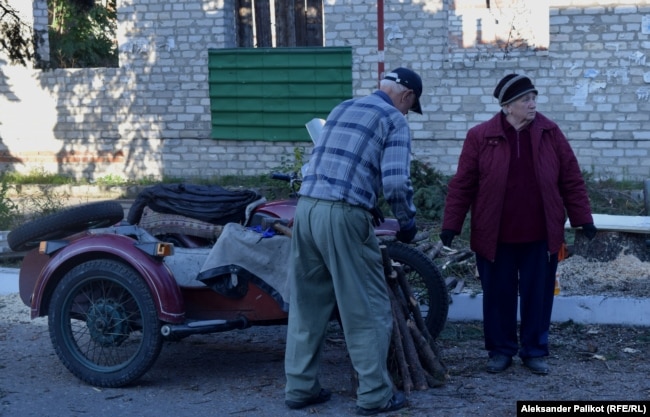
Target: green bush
pixel 35 176
pixel 45 201
pixel 430 190
pixel 8 209
pixel 82 36
pixel 615 197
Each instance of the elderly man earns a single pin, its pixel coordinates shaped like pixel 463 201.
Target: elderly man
pixel 364 149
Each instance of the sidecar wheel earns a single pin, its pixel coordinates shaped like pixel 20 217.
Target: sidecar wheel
pixel 103 324
pixel 427 283
pixel 64 223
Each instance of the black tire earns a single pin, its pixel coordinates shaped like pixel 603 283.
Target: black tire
pixel 426 282
pixel 65 223
pixel 103 324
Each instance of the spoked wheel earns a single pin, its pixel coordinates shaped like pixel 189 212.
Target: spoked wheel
pixel 103 324
pixel 426 282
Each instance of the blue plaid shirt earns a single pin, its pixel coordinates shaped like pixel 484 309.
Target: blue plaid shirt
pixel 364 149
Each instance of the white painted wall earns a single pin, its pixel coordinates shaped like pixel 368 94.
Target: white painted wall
pixel 150 117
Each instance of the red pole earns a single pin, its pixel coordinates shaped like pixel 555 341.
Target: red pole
pixel 380 40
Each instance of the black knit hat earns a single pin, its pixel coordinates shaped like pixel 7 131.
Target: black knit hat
pixel 511 87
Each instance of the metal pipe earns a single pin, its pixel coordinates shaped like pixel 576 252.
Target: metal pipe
pixel 646 196
pixel 380 40
pixel 203 327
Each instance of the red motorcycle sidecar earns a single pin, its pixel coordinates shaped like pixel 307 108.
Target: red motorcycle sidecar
pixel 114 291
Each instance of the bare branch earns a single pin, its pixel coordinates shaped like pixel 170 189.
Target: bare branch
pixel 17 39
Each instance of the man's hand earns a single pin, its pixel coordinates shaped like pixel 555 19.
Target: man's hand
pixel 407 233
pixel 377 216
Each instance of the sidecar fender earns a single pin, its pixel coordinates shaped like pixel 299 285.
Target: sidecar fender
pixel 157 275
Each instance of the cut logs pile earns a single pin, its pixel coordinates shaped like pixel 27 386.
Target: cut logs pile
pixel 414 360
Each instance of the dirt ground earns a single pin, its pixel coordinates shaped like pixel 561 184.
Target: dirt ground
pixel 240 373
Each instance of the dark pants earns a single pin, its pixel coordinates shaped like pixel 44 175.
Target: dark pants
pixel 524 271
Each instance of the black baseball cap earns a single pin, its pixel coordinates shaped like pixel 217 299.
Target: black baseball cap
pixel 409 79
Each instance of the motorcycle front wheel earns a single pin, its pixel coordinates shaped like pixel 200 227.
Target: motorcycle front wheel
pixel 426 282
pixel 103 324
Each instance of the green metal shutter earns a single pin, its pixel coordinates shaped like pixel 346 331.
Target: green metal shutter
pixel 270 93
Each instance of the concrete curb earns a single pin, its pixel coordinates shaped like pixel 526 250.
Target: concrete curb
pixel 580 309
pixel 8 280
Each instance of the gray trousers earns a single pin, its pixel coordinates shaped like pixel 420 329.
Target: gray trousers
pixel 335 259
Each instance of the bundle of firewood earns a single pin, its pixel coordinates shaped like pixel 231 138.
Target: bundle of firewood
pixel 414 360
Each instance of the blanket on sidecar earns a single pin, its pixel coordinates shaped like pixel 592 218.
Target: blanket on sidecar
pixel 242 255
pixel 209 203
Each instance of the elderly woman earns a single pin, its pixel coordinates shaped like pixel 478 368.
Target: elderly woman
pixel 520 178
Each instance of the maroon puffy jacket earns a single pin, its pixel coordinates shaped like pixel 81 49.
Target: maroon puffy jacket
pixel 480 183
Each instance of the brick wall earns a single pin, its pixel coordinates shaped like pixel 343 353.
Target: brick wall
pixel 150 117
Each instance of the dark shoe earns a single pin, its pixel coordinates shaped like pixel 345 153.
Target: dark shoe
pixel 321 397
pixel 397 401
pixel 536 365
pixel 498 363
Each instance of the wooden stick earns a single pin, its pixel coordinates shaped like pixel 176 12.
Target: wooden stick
pixel 400 358
pixel 424 247
pixel 412 304
pixel 412 359
pixel 413 348
pixel 430 360
pixel 282 229
pixel 433 253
